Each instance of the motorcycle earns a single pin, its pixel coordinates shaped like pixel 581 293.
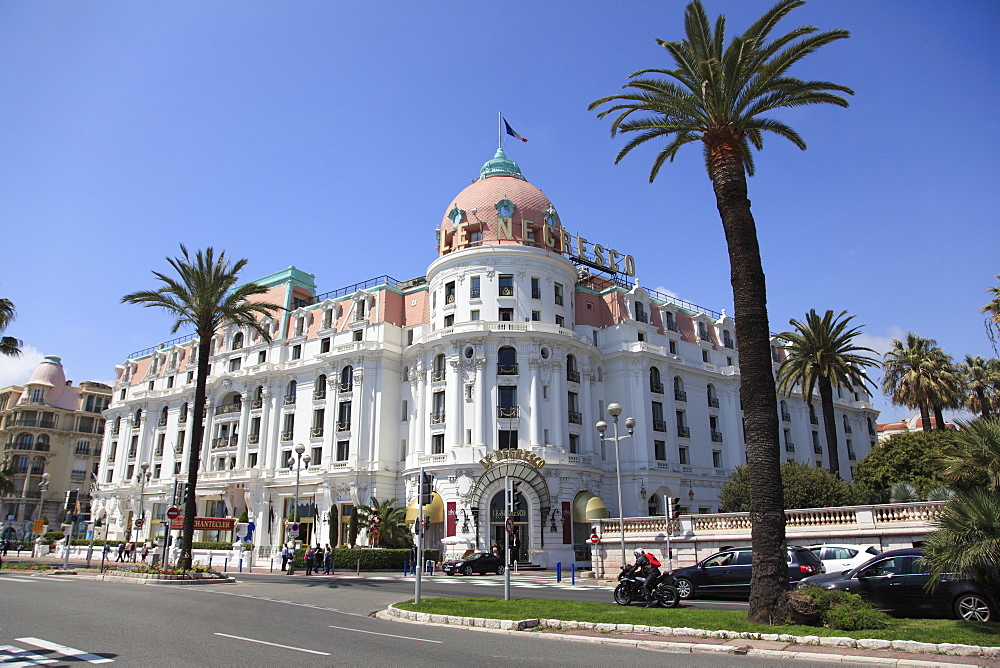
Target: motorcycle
pixel 631 587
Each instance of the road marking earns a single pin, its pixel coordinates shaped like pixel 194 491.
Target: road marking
pixel 19 653
pixel 77 654
pixel 274 644
pixel 16 578
pixel 272 600
pixel 388 635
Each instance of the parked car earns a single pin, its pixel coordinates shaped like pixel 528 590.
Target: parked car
pixel 838 558
pixel 727 573
pixel 477 562
pixel 895 581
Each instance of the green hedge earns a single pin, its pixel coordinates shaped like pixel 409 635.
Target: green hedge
pixel 97 543
pixel 209 546
pixel 371 560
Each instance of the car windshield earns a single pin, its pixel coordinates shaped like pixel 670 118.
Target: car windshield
pixel 477 555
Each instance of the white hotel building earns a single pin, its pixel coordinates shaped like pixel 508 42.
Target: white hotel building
pixel 518 338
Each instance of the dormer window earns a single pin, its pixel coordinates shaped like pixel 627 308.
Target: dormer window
pixel 669 321
pixel 359 310
pixel 551 217
pixel 455 216
pixel 703 332
pixel 300 325
pixel 640 312
pixel 238 341
pixel 727 339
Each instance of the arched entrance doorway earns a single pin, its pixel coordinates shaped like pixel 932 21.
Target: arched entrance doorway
pixel 521 538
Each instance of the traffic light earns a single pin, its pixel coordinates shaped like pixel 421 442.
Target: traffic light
pixel 426 489
pixel 180 495
pixel 513 487
pixel 673 506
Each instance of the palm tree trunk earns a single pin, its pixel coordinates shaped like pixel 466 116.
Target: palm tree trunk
pixel 194 455
pixel 939 416
pixel 984 404
pixel 925 418
pixel 829 424
pixel 768 584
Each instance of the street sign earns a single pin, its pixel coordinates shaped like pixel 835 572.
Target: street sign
pixel 173 512
pixel 138 523
pixel 293 533
pixel 37 527
pixel 594 538
pixel 509 525
pixel 295 527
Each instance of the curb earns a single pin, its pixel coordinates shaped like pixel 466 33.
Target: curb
pixel 516 626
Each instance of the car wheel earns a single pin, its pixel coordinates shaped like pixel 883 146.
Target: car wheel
pixel 622 594
pixel 685 589
pixel 974 608
pixel 468 570
pixel 500 569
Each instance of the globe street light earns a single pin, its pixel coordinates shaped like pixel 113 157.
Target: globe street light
pixel 301 459
pixel 614 410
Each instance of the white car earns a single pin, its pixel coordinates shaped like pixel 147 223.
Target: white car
pixel 837 558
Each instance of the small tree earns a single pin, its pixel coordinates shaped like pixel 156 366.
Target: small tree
pixel 911 458
pixel 804 487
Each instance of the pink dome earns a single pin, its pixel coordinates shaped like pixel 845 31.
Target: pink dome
pixel 49 373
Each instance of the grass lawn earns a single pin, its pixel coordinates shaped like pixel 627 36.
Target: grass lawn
pixel 922 630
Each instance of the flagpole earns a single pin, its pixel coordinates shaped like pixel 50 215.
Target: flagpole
pixel 499 129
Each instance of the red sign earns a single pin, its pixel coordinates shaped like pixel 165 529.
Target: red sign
pixel 173 513
pixel 594 539
pixel 207 523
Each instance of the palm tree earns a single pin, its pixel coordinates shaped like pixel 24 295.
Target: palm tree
pixel 718 95
pixel 821 352
pixel 203 297
pixel 948 389
pixel 6 480
pixel 992 311
pixel 981 378
pixel 391 525
pixel 9 346
pixel 910 378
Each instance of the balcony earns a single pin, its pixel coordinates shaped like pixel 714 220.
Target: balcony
pixel 848 429
pixel 786 417
pixel 655 388
pixel 817 449
pixel 559 300
pixel 536 293
pixel 572 375
pixel 316 432
pixel 851 455
pixel 182 418
pixel 575 417
pixel 680 395
pixel 116 429
pixel 728 343
pixel 507 369
pixel 507 412
pixel 713 402
pixel 343 425
pixel 474 293
pixel 161 422
pixel 437 375
pixel 84 451
pixel 814 419
pixel 716 436
pixel 289 399
pixel 449 299
pixel 223 442
pixel 642 317
pixel 286 435
pixel 257 403
pixel 42 447
pixel 157 452
pixel 253 439
pixel 437 417
pixel 77 476
pixel 789 446
pixel 659 425
pixel 683 432
pixel 506 291
pixel 319 394
pixel 671 326
pixel 347 387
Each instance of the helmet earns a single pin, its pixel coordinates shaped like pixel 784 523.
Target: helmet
pixel 638 552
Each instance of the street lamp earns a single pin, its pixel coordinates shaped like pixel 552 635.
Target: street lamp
pixel 43 487
pixel 302 459
pixel 142 479
pixel 614 410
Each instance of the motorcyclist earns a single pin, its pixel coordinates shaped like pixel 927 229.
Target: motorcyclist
pixel 651 572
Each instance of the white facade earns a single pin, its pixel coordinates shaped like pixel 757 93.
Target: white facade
pixel 511 348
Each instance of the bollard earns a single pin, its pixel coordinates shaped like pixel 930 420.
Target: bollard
pixel 406 568
pixel 558 571
pixel 272 565
pixel 225 565
pixel 429 567
pixel 209 559
pixel 359 567
pixel 572 574
pixel 241 564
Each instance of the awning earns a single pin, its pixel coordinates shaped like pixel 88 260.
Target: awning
pixel 435 509
pixel 587 507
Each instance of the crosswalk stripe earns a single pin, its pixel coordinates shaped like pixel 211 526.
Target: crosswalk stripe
pixel 77 654
pixel 18 653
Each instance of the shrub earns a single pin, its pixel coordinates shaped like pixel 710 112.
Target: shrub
pixel 97 543
pixel 853 617
pixel 211 546
pixel 835 609
pixel 371 560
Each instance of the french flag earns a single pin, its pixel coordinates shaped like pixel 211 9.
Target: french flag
pixel 511 132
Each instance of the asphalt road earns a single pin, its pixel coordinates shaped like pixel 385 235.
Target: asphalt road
pixel 271 620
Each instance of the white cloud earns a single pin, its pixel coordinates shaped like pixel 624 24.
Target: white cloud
pixel 17 370
pixel 880 344
pixel 666 291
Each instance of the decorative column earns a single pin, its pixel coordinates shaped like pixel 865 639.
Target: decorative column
pixel 535 424
pixel 453 400
pixel 481 402
pixel 418 380
pixel 244 430
pixel 559 402
pixel 586 399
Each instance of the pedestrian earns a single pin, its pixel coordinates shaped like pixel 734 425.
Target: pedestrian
pixel 413 560
pixel 131 551
pixel 318 559
pixel 3 547
pixel 107 551
pixel 309 560
pixel 327 559
pixel 291 560
pixel 144 552
pixel 284 558
pixel 19 548
pixel 121 552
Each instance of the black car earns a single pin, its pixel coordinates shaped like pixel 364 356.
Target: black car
pixel 895 581
pixel 477 562
pixel 727 573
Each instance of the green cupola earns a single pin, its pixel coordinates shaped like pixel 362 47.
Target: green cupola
pixel 500 165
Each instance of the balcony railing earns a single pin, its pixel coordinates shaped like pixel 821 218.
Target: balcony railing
pixel 655 388
pixel 161 422
pixel 42 447
pixel 506 369
pixel 680 395
pixel 848 429
pixel 506 291
pixel 343 425
pixel 116 429
pixel 536 293
pixel 253 439
pixel 82 451
pixel 286 435
pixel 507 412
pixel 575 417
pixel 347 387
pixel 559 300
pixel 671 326
pixel 786 417
pixel 818 449
pixel 683 432
pixel 713 402
pixel 289 399
pixel 449 299
pixel 642 317
pixel 182 418
pixel 716 437
pixel 659 425
pixel 257 403
pixel 437 375
pixel 437 417
pixel 789 446
pixel 319 394
pixel 572 375
pixel 316 432
pixel 814 419
pixel 474 293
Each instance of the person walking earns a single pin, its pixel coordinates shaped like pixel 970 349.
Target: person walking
pixel 131 551
pixel 291 560
pixel 144 552
pixel 121 552
pixel 284 558
pixel 327 559
pixel 107 551
pixel 318 559
pixel 309 560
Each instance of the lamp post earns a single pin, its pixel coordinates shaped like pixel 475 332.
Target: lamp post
pixel 43 486
pixel 614 410
pixel 142 479
pixel 299 460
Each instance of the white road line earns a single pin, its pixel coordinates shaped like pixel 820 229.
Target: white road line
pixel 272 600
pixel 274 644
pixel 19 653
pixel 15 578
pixel 387 635
pixel 77 654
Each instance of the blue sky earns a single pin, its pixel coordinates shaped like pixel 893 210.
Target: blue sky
pixel 332 136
